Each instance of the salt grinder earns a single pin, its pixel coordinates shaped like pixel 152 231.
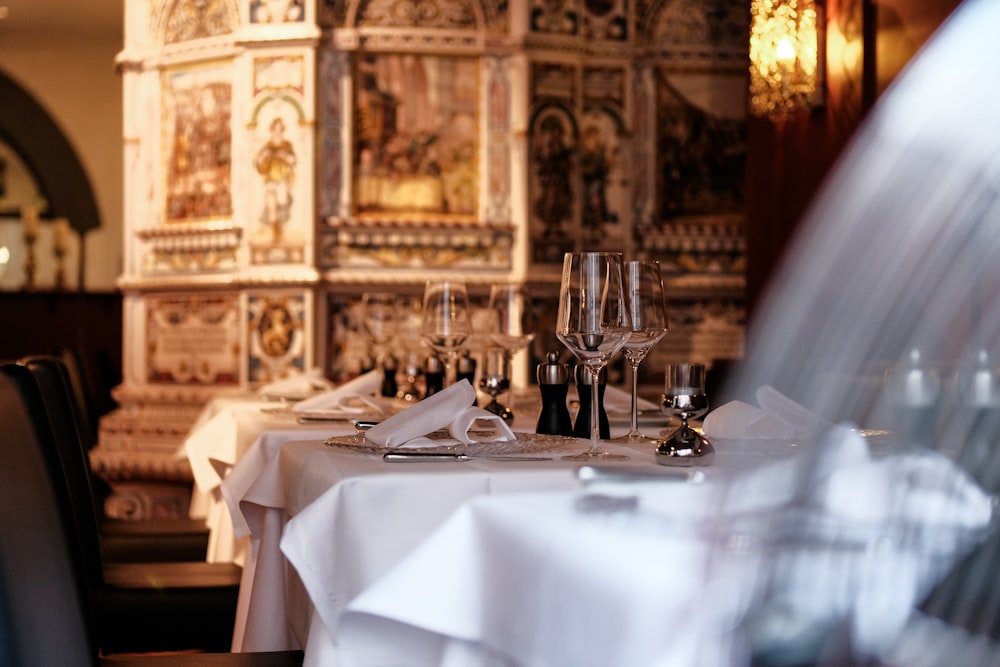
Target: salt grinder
pixel 583 388
pixel 553 381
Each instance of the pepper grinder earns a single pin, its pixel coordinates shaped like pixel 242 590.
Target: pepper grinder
pixel 389 366
pixel 583 387
pixel 553 381
pixel 433 375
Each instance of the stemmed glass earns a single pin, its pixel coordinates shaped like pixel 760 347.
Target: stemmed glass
pixel 409 317
pixel 648 310
pixel 684 395
pixel 593 322
pixel 447 321
pixel 495 380
pixel 512 324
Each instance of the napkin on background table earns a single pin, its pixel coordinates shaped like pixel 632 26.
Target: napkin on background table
pixel 618 401
pixel 450 408
pixel 774 416
pixel 353 397
pixel 296 386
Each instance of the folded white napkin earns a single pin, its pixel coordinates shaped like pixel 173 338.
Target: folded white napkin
pixel 776 417
pixel 297 385
pixel 354 397
pixel 451 408
pixel 619 401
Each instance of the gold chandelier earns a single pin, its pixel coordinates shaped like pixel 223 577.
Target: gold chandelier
pixel 785 64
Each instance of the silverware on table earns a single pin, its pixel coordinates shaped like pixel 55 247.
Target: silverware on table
pixel 457 456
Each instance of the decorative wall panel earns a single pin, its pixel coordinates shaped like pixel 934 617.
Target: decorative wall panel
pixel 193 340
pixel 285 156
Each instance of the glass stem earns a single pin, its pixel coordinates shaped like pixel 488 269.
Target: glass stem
pixel 507 370
pixel 595 406
pixel 634 430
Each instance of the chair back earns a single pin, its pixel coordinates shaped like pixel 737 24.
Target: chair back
pixel 60 411
pixel 44 616
pixel 82 393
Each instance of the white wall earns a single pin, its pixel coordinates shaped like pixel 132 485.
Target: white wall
pixel 72 76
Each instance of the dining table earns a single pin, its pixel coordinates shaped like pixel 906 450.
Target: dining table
pixel 512 553
pixel 326 517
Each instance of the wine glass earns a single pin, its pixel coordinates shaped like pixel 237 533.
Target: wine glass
pixel 648 308
pixel 511 326
pixel 494 380
pixel 684 395
pixel 593 322
pixel 447 321
pixel 408 346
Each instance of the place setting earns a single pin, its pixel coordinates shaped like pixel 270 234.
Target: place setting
pixel 448 426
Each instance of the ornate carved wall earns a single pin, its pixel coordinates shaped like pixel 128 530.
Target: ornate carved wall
pixel 282 156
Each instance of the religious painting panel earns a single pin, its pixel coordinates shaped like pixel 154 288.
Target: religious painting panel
pixel 277 332
pixel 197 143
pixel 416 143
pixel 277 219
pixel 701 147
pixel 193 340
pixel 605 200
pixel 553 188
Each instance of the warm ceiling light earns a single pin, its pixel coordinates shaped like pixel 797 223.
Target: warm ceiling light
pixel 785 62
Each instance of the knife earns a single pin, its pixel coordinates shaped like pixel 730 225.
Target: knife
pixel 455 456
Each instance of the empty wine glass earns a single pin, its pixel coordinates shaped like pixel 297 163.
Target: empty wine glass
pixel 511 324
pixel 408 346
pixel 648 310
pixel 447 321
pixel 593 322
pixel 494 381
pixel 684 396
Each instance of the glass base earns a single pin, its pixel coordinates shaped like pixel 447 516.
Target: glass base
pixel 635 439
pixel 592 456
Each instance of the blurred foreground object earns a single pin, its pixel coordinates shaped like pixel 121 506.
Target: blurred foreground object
pixel 897 261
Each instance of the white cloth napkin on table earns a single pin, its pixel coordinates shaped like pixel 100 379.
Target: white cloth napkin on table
pixel 356 396
pixel 618 401
pixel 298 385
pixel 450 408
pixel 774 416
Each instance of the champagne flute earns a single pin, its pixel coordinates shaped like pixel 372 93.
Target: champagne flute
pixel 684 395
pixel 511 326
pixel 593 322
pixel 447 321
pixel 648 308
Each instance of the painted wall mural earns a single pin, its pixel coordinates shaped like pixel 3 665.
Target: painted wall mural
pixel 416 135
pixel 276 345
pixel 197 110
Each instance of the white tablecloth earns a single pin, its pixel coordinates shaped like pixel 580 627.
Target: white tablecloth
pixel 225 431
pixel 528 579
pixel 354 516
pixel 666 573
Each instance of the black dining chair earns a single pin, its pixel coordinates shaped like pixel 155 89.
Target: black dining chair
pixel 46 605
pixel 156 540
pixel 136 606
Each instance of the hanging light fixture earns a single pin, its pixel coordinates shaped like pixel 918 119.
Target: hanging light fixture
pixel 785 57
